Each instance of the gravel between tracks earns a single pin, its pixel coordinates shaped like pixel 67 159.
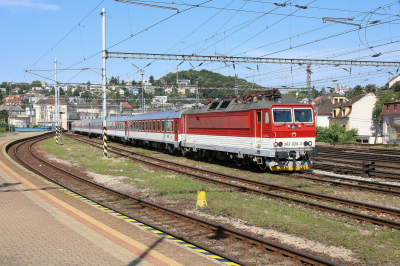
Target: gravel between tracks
pixel 116 182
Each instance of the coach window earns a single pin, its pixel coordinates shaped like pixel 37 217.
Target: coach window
pixel 150 125
pixel 154 125
pixel 266 117
pixel 142 125
pixel 259 117
pixel 168 125
pixel 158 125
pixel 147 125
pixel 172 125
pixel 162 125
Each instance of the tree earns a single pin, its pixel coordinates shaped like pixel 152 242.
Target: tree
pixel 151 79
pixel 4 116
pixel 35 83
pixel 114 80
pixel 77 91
pixel 383 97
pixel 88 83
pixel 314 92
pixel 370 88
pixel 322 91
pixel 335 133
pixel 86 95
pixel 331 90
pixel 69 93
pixel 396 87
pixel 133 82
pixel 357 90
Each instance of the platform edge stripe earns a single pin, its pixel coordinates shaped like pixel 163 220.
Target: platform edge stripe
pixel 151 229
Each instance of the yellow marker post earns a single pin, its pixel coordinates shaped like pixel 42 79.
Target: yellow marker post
pixel 201 198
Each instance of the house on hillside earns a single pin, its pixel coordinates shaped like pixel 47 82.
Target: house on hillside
pixel 323 106
pixel 391 123
pixel 357 113
pixel 14 99
pixel 391 83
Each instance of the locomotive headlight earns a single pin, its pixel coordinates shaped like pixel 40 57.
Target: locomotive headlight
pixel 310 143
pixel 305 143
pixel 276 144
pixel 280 144
pixel 288 126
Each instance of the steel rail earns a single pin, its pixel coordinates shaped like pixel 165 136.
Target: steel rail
pixel 386 174
pixel 362 205
pixel 354 162
pixel 286 251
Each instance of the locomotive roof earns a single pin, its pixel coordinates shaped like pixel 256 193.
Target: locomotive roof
pixel 158 115
pixel 231 105
pixel 116 119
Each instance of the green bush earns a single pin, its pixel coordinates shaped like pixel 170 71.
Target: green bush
pixel 3 129
pixel 335 133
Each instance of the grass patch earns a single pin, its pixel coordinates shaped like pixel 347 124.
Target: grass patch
pixel 375 246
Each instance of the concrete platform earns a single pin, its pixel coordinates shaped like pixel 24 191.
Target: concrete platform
pixel 43 225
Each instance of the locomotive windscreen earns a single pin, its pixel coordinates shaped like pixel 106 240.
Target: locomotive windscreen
pixel 282 115
pixel 303 115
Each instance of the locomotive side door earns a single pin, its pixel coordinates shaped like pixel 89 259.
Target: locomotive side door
pixel 258 128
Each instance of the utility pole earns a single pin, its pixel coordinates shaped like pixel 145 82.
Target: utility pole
pixel 197 93
pixel 56 99
pixel 142 73
pixel 103 14
pixel 309 82
pixel 236 85
pixel 9 107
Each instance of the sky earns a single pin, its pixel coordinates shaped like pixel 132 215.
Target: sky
pixel 36 32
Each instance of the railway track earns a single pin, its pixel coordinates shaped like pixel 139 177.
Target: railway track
pixel 327 158
pixel 394 176
pixel 362 154
pixel 261 188
pixel 199 232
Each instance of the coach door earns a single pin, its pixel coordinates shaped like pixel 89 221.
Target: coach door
pixel 183 127
pixel 258 128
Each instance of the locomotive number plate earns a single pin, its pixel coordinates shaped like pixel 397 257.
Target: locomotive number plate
pixel 292 144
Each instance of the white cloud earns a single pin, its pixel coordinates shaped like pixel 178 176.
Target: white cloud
pixel 28 3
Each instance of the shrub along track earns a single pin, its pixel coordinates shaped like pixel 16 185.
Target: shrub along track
pixel 261 188
pixel 199 232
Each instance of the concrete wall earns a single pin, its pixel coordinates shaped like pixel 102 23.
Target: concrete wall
pixel 361 115
pixel 322 120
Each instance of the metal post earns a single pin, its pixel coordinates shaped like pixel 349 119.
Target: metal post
pixel 9 107
pixel 56 99
pixel 309 82
pixel 197 93
pixel 236 85
pixel 142 111
pixel 104 57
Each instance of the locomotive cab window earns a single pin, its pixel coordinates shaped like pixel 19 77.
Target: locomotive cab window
pixel 303 115
pixel 282 115
pixel 266 117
